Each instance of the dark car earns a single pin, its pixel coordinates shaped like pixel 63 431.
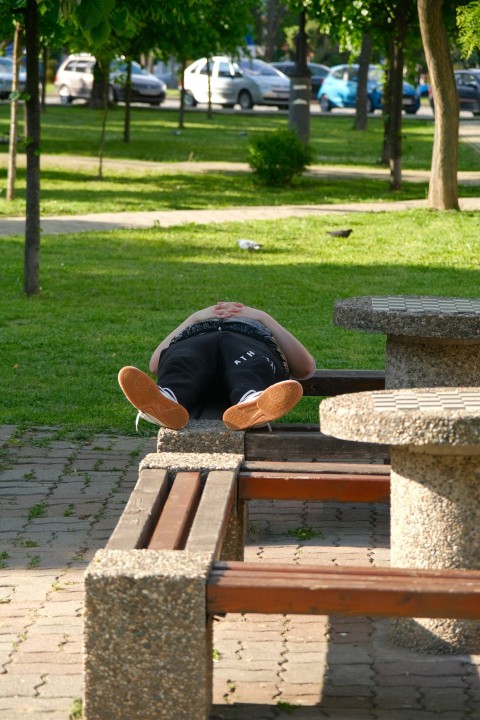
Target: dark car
pixel 468 88
pixel 6 77
pixel 318 73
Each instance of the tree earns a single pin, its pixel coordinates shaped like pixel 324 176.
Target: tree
pixel 12 147
pixel 32 224
pixel 91 16
pixel 468 21
pixel 204 28
pixel 443 187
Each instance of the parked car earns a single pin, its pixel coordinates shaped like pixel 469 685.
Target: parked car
pixel 74 79
pixel 468 89
pixel 339 89
pixel 247 82
pixel 6 77
pixel 318 73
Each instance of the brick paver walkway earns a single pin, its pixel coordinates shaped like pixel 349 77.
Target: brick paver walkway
pixel 60 500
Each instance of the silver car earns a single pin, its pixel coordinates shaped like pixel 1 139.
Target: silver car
pixel 247 83
pixel 6 77
pixel 74 79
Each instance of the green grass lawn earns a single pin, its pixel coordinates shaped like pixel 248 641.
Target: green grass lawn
pixel 77 192
pixel 108 298
pixel 75 130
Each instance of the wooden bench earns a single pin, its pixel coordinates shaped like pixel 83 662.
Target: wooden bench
pixel 172 564
pixel 195 516
pixel 311 590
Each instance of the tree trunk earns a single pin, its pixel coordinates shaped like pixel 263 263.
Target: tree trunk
pixel 395 159
pixel 443 188
pixel 396 97
pixel 103 132
pixel 361 115
pixel 209 86
pixel 128 99
pixel 181 113
pixel 32 225
pixel 12 148
pixel 387 110
pixel 101 81
pixel 275 15
pixel 43 101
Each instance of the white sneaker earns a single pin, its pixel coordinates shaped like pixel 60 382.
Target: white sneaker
pixel 259 408
pixel 154 404
pixel 169 394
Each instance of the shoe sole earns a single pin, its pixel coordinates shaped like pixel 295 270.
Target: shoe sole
pixel 145 395
pixel 273 403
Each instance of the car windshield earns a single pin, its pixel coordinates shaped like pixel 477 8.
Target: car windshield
pixel 121 66
pixel 253 67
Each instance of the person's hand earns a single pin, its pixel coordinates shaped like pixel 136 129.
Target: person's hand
pixel 228 309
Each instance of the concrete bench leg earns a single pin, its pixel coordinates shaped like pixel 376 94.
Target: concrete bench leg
pixel 148 646
pixel 234 543
pixel 444 479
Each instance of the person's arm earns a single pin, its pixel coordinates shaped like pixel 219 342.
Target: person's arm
pixel 300 361
pixel 221 309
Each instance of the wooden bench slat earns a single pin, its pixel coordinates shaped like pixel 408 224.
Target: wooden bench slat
pixel 141 512
pixel 210 524
pixel 339 382
pixel 321 487
pixel 252 466
pixel 278 589
pixel 283 444
pixel 174 523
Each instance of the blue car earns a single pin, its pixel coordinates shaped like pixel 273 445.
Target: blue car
pixel 339 90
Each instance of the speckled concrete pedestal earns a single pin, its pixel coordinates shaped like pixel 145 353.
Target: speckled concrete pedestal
pixel 201 436
pixel 148 641
pixel 148 647
pixel 435 488
pixel 431 341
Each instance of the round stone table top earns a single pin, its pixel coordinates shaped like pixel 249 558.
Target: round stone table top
pixel 419 416
pixel 412 315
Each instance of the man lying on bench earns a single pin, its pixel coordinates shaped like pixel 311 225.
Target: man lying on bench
pixel 253 361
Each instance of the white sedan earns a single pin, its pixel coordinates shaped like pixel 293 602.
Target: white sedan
pixel 247 82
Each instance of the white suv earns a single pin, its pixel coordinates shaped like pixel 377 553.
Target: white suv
pixel 74 79
pixel 246 82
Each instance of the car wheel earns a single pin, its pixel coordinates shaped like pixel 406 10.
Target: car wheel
pixel 188 99
pixel 411 111
pixel 370 108
pixel 476 109
pixel 245 100
pixel 64 95
pixel 325 104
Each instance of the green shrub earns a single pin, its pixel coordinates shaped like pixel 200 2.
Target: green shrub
pixel 278 157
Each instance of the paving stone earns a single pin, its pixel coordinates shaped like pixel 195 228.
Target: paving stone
pixel 264 659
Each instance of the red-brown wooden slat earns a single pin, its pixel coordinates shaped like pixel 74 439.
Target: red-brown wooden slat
pixel 326 487
pixel 176 518
pixel 278 589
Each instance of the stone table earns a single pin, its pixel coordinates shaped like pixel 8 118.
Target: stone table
pixel 435 488
pixel 431 341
